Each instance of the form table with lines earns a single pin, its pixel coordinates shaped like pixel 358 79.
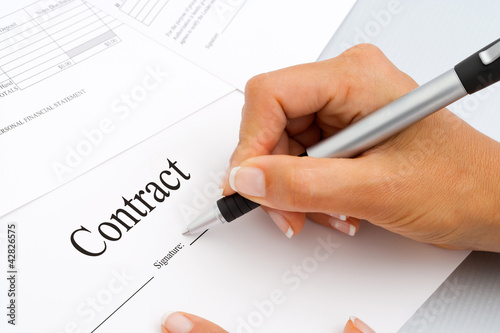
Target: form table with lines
pixel 48 37
pixel 144 11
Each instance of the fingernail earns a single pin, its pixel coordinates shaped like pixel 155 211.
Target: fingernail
pixel 342 226
pixel 174 322
pixel 340 217
pixel 360 325
pixel 248 180
pixel 280 221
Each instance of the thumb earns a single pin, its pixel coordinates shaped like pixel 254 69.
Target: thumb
pixel 181 322
pixel 307 184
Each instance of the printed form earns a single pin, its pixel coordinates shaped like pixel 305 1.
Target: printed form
pixel 76 88
pixel 105 254
pixel 236 39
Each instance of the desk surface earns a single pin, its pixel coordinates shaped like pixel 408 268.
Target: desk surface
pixel 425 38
pixel 468 301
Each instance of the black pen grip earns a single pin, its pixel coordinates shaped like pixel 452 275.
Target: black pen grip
pixel 234 206
pixel 475 75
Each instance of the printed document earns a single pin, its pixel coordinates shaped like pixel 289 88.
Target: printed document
pixel 235 39
pixel 76 88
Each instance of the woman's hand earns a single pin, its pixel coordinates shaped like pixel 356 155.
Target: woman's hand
pixel 436 182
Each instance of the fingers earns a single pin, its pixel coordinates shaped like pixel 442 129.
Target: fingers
pixel 273 101
pixel 306 136
pixel 290 223
pixel 329 94
pixel 181 322
pixel 345 224
pixel 356 325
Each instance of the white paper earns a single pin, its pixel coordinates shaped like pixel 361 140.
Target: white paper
pixel 78 87
pixel 246 276
pixel 236 39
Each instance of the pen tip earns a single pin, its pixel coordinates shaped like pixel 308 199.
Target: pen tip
pixel 186 232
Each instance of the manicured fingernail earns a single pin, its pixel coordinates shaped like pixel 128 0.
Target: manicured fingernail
pixel 360 325
pixel 175 322
pixel 248 180
pixel 342 226
pixel 282 224
pixel 340 217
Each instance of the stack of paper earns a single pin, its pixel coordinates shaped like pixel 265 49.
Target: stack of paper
pixel 105 162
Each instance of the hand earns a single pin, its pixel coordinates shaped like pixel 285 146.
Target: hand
pixel 181 322
pixel 437 181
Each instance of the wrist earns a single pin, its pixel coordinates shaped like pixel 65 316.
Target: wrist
pixel 481 213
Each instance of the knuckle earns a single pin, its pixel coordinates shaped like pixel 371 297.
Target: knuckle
pixel 367 56
pixel 364 50
pixel 256 83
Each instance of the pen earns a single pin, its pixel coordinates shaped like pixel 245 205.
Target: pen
pixel 471 75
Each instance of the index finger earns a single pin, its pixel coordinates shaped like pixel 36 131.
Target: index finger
pixel 272 99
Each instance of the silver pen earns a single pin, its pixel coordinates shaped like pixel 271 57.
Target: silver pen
pixel 471 75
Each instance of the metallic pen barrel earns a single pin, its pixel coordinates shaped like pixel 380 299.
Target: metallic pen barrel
pixel 392 118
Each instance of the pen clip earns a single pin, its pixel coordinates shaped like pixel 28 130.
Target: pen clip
pixel 481 69
pixel 491 54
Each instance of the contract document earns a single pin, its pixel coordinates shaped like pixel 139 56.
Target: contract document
pixel 235 39
pixel 76 88
pixel 104 252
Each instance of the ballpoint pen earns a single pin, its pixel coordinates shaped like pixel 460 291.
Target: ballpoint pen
pixel 471 75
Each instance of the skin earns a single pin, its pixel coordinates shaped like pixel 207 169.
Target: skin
pixel 436 182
